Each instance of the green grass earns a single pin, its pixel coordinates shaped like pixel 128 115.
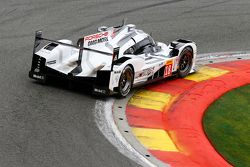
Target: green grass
pixel 227 125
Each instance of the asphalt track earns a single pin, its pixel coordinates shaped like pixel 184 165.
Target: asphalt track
pixel 53 126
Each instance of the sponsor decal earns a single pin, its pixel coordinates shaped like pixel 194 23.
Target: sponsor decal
pixel 117 72
pixel 149 71
pixel 51 62
pixel 96 41
pixel 146 72
pixel 168 68
pixel 38 76
pixel 97 38
pixel 176 62
pixel 100 90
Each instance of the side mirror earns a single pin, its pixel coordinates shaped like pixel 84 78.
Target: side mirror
pixel 173 44
pixel 102 28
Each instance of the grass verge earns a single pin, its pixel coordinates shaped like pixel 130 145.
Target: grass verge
pixel 227 125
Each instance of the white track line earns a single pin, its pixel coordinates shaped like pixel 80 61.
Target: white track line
pixel 106 124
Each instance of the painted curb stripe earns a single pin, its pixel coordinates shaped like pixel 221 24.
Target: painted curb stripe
pixel 154 139
pixel 150 100
pixel 180 123
pixel 234 67
pixel 147 118
pixel 173 87
pixel 175 159
pixel 206 73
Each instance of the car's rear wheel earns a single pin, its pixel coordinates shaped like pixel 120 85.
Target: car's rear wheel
pixel 185 63
pixel 126 81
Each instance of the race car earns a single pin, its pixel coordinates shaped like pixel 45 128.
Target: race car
pixel 113 60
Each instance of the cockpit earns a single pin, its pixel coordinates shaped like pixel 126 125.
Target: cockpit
pixel 147 45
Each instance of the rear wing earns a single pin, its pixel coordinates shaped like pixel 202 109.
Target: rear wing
pixel 39 39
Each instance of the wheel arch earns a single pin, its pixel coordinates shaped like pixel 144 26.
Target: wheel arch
pixel 133 72
pixel 181 44
pixel 191 49
pixel 183 52
pixel 186 46
pixel 131 67
pixel 118 89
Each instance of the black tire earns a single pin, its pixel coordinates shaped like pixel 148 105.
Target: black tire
pixel 125 81
pixel 185 63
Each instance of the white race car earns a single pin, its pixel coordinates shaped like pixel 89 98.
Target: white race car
pixel 113 60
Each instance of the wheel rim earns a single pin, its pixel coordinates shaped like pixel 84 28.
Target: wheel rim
pixel 126 82
pixel 185 62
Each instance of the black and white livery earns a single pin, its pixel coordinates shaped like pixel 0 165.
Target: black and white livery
pixel 113 60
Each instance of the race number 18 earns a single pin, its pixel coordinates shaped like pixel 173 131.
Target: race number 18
pixel 168 69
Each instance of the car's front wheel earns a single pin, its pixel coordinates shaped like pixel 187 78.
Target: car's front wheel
pixel 126 81
pixel 185 62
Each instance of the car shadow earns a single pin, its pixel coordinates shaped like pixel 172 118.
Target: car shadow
pixel 72 86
